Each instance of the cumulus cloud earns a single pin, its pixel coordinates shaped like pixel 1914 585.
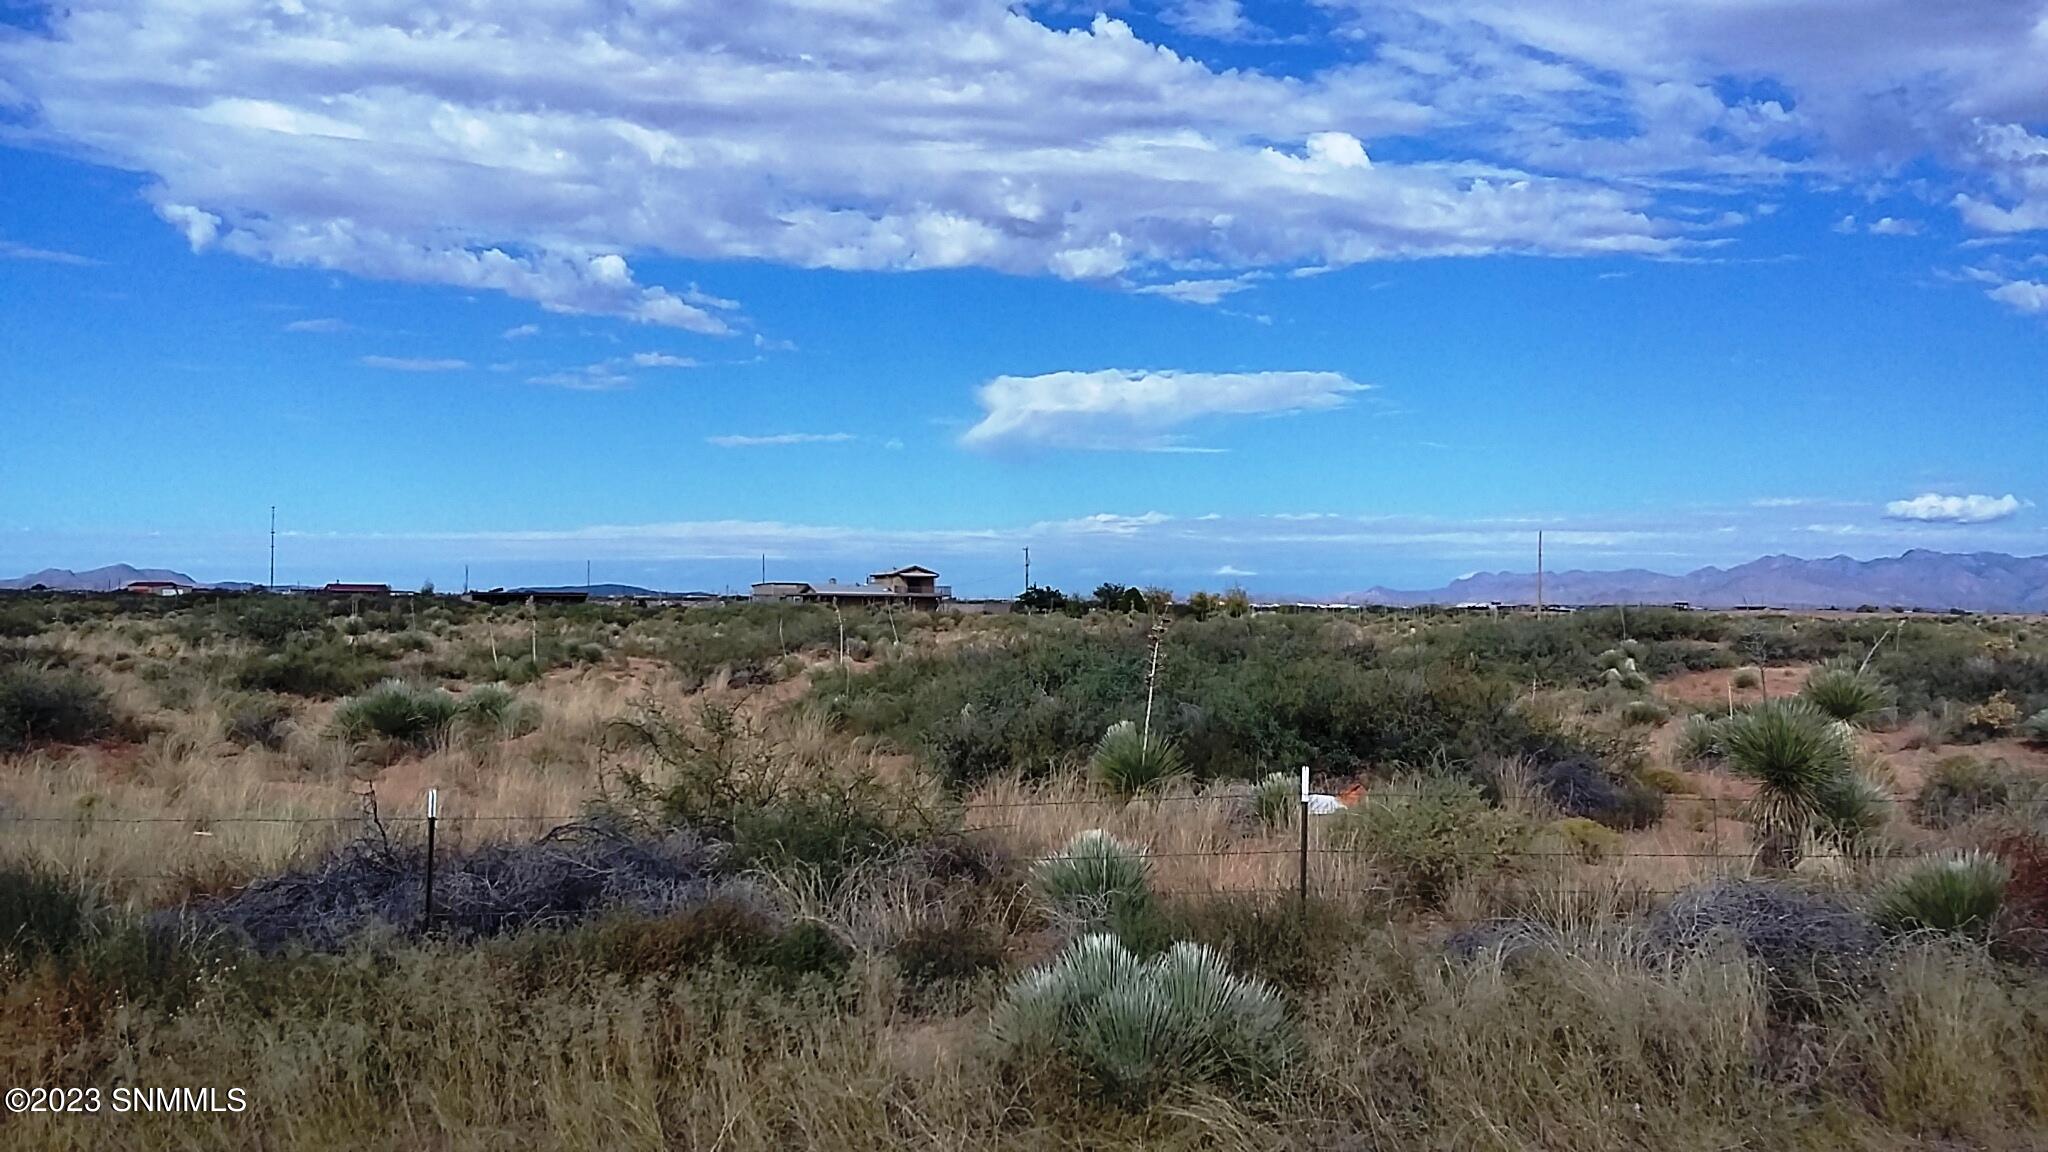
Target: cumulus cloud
pixel 780 440
pixel 1934 508
pixel 415 363
pixel 1893 226
pixel 1125 409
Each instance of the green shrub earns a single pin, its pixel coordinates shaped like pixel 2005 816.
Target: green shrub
pixel 493 710
pixel 256 720
pixel 1644 713
pixel 1959 894
pixel 1959 787
pixel 402 713
pixel 1853 813
pixel 1134 1029
pixel 1699 741
pixel 1126 762
pixel 1797 761
pixel 940 952
pixel 40 705
pixel 318 669
pixel 2035 730
pixel 1589 840
pixel 1745 678
pixel 1096 882
pixel 1849 694
pixel 1428 834
pixel 41 913
pixel 1276 798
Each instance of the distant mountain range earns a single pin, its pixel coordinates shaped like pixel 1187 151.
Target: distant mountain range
pixel 597 591
pixel 1976 581
pixel 111 578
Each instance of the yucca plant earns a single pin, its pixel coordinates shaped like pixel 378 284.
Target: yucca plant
pixel 1797 761
pixel 399 712
pixel 1854 813
pixel 1699 740
pixel 494 710
pixel 1136 1028
pixel 1959 894
pixel 1096 881
pixel 1276 798
pixel 1126 761
pixel 1851 695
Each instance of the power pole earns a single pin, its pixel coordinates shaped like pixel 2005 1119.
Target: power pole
pixel 586 579
pixel 272 586
pixel 764 567
pixel 1027 569
pixel 465 579
pixel 1539 571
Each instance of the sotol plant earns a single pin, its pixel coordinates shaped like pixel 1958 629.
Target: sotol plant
pixel 1136 1028
pixel 1275 798
pixel 1958 894
pixel 1126 761
pixel 399 712
pixel 1699 741
pixel 1096 881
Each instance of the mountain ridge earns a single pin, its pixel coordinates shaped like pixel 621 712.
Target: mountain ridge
pixel 1919 578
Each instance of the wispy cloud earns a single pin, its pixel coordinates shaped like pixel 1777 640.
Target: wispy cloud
pixel 1934 508
pixel 661 360
pixel 1138 410
pixel 520 332
pixel 10 250
pixel 780 439
pixel 324 324
pixel 415 363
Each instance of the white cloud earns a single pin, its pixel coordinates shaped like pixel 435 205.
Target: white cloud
pixel 779 440
pixel 10 250
pixel 661 360
pixel 1216 19
pixel 1233 570
pixel 415 363
pixel 323 324
pixel 1209 291
pixel 536 149
pixel 2029 297
pixel 520 332
pixel 1893 226
pixel 1125 409
pixel 1935 508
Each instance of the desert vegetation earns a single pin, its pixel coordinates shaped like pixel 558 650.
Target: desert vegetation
pixel 757 876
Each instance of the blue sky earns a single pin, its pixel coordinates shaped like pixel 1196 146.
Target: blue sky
pixel 1308 297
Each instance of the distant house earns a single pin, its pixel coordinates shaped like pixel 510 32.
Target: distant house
pixel 912 587
pixel 342 589
pixel 154 588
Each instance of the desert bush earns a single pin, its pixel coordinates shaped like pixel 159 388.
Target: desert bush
pixel 320 669
pixel 1746 678
pixel 1699 741
pixel 1849 694
pixel 1276 798
pixel 1958 894
pixel 492 710
pixel 1428 834
pixel 1580 785
pixel 1960 787
pixel 2035 730
pixel 1853 813
pixel 41 912
pixel 1589 840
pixel 402 713
pixel 938 952
pixel 1797 762
pixel 1126 762
pixel 256 720
pixel 1644 713
pixel 1993 717
pixel 1134 1029
pixel 41 705
pixel 1096 882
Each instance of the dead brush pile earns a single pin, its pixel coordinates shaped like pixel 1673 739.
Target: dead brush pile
pixel 574 873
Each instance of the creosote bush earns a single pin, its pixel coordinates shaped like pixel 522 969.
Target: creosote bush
pixel 41 705
pixel 1133 1028
pixel 1960 787
pixel 1427 834
pixel 1960 894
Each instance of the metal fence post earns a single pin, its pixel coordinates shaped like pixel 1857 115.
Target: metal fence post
pixel 433 817
pixel 1302 902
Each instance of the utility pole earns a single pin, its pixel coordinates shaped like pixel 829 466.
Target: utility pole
pixel 1027 569
pixel 764 567
pixel 465 579
pixel 1539 571
pixel 272 586
pixel 586 579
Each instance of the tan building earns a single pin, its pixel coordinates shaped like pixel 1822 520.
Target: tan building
pixel 913 587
